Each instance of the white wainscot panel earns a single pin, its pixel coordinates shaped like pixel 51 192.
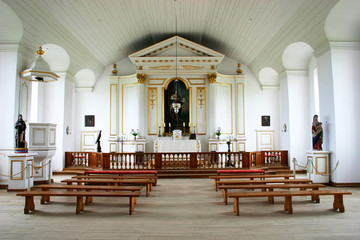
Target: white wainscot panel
pixel 88 139
pixel 240 108
pixel 265 140
pixel 223 105
pixel 130 114
pixel 113 109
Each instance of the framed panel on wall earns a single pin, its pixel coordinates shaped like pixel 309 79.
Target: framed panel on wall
pixel 89 121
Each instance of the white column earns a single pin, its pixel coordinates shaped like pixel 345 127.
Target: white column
pixel 299 129
pixel 212 109
pixel 339 91
pixel 9 102
pixel 142 111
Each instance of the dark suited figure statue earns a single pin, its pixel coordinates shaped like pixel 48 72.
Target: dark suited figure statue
pixel 20 127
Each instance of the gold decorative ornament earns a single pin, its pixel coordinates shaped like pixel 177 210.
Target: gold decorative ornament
pixel 140 68
pixel 114 72
pixel 200 96
pixel 152 96
pixel 191 67
pixel 212 77
pixel 164 67
pixel 212 67
pixel 239 71
pixel 40 51
pixel 141 78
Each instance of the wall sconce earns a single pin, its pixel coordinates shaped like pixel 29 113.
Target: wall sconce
pixel 67 130
pixel 39 70
pixel 283 128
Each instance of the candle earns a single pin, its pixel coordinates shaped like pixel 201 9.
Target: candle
pixel 169 124
pixel 183 124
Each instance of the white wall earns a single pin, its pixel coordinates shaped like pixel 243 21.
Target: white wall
pixel 284 138
pixel 258 103
pixel 95 103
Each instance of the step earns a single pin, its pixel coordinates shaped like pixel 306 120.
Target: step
pixel 285 171
pixel 188 175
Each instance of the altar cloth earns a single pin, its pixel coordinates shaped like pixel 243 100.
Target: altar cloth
pixel 177 146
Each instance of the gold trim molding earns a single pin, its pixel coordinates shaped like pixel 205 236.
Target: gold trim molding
pixel 152 101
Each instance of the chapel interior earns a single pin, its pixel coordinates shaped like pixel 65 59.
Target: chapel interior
pixel 184 87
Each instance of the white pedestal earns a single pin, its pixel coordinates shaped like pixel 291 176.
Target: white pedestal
pixel 318 166
pixel 21 179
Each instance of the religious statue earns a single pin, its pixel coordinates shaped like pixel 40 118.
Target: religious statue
pixel 317 133
pixel 98 142
pixel 20 127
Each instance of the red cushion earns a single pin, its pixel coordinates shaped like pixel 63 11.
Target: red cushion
pixel 120 172
pixel 242 171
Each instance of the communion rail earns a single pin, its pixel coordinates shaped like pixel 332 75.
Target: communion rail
pixel 198 160
pixel 269 158
pixel 140 160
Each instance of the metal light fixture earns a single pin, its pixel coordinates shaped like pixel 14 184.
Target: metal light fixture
pixel 39 70
pixel 176 105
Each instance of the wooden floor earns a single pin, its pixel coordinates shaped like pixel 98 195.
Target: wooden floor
pixel 180 209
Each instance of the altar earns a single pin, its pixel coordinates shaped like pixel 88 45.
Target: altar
pixel 168 145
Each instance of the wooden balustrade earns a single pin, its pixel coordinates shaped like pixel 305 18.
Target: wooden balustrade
pixel 269 158
pixel 198 160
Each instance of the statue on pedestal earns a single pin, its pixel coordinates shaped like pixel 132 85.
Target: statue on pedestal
pixel 98 142
pixel 20 127
pixel 317 133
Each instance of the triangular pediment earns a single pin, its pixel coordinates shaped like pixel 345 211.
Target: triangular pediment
pixel 185 48
pixel 176 53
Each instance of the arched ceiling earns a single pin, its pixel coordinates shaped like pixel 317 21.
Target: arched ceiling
pixel 97 33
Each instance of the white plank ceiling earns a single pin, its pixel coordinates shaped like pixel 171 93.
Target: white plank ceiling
pixel 98 33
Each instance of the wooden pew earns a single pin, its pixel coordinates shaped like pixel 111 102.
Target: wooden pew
pixel 337 205
pixel 30 205
pixel 142 182
pixel 266 181
pixel 123 172
pixel 270 188
pixel 47 187
pixel 240 171
pixel 249 176
pixel 114 177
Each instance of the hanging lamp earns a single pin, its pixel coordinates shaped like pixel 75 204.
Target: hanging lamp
pixel 176 105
